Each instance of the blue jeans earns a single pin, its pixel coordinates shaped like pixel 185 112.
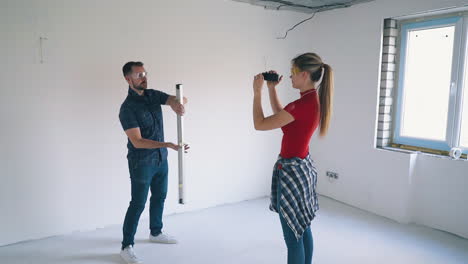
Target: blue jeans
pixel 142 179
pixel 299 251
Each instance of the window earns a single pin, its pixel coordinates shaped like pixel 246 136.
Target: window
pixel 430 101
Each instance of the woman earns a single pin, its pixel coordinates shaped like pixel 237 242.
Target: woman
pixel 294 180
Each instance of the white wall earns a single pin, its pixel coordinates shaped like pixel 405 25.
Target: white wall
pixel 439 194
pixel 423 190
pixel 63 164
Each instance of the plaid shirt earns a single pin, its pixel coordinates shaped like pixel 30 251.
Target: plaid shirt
pixel 297 180
pixel 144 111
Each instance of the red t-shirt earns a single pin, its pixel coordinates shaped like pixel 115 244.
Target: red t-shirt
pixel 297 134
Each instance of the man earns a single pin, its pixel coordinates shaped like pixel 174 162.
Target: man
pixel 142 120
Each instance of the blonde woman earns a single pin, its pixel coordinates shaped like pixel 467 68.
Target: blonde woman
pixel 294 181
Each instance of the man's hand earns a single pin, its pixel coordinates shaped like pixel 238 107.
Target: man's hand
pixel 177 107
pixel 177 147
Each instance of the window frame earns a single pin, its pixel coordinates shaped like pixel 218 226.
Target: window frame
pixel 459 61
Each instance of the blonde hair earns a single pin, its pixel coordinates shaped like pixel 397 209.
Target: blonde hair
pixel 312 63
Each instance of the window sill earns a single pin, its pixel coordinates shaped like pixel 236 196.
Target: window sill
pixel 419 152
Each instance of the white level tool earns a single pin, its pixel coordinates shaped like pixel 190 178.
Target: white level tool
pixel 180 140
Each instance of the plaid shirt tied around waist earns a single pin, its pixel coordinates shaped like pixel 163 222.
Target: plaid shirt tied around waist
pixel 297 180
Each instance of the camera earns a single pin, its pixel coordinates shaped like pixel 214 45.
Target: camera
pixel 270 76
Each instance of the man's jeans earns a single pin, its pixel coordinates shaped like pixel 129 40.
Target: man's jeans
pixel 143 178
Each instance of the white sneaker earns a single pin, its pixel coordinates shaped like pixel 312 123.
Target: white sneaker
pixel 129 255
pixel 163 239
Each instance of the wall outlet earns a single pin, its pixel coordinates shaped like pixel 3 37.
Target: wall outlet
pixel 332 175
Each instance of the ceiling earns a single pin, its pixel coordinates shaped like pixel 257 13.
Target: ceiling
pixel 304 6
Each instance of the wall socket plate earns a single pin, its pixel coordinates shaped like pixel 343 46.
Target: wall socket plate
pixel 332 175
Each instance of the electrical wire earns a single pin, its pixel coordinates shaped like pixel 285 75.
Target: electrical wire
pixel 317 9
pixel 286 34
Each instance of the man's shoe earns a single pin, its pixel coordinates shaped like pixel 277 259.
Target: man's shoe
pixel 163 239
pixel 129 255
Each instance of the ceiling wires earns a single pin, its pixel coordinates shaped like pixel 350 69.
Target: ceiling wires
pixel 317 9
pixel 286 34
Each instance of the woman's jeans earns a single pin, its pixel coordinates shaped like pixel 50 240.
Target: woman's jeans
pixel 299 251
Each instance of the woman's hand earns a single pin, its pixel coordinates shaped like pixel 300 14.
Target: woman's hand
pixel 272 85
pixel 258 83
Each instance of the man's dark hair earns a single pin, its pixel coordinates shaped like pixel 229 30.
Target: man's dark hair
pixel 127 68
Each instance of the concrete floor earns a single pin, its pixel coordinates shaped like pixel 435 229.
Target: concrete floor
pixel 248 232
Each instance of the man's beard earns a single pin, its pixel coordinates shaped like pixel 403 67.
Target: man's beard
pixel 139 87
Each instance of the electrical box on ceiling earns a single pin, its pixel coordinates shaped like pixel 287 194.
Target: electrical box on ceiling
pixel 304 6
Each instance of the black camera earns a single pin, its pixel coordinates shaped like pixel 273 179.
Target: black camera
pixel 270 76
